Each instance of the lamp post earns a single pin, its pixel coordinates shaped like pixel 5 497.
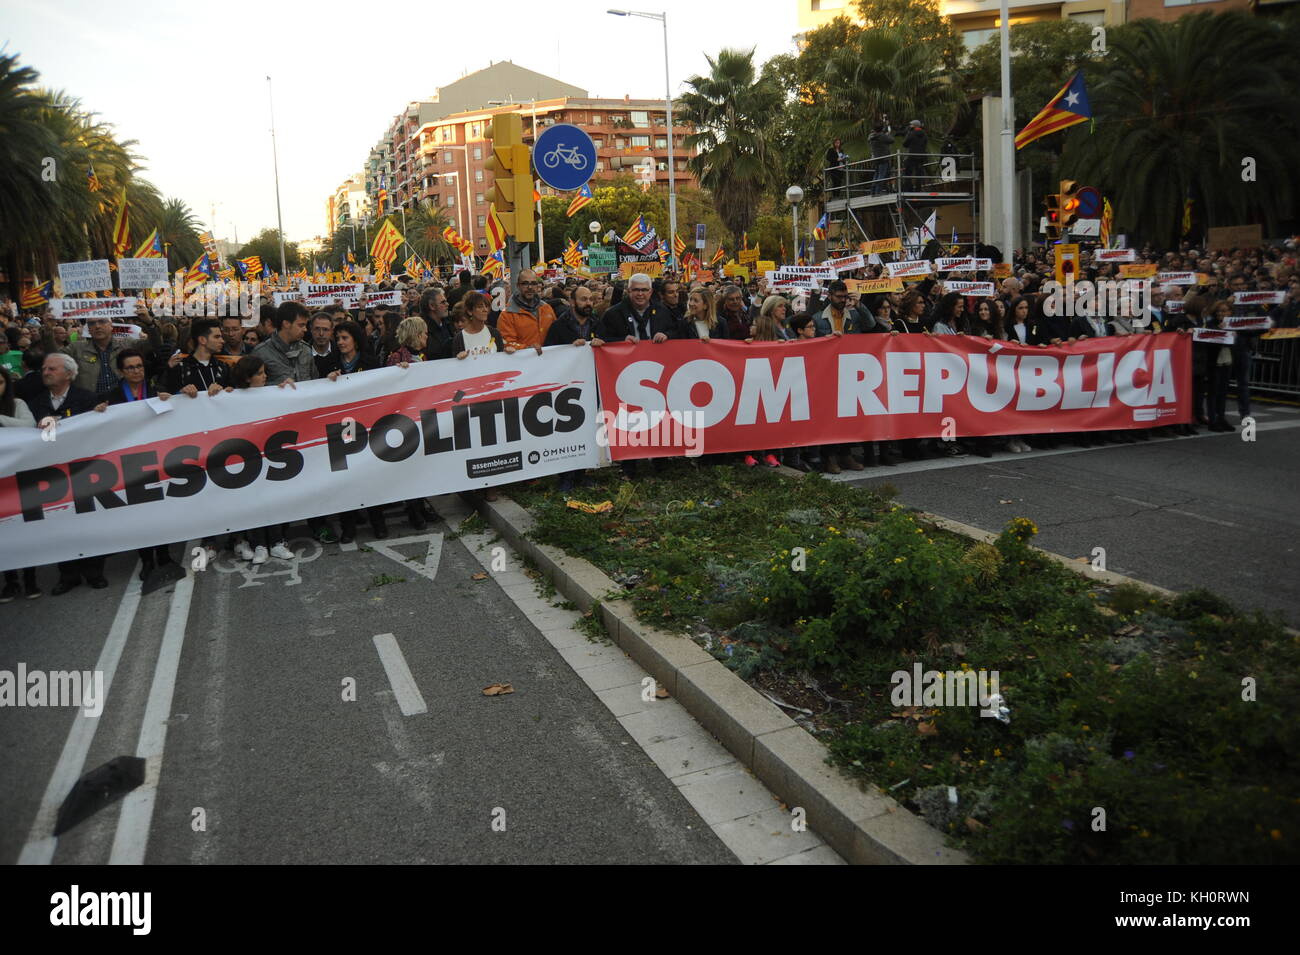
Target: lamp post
pixel 275 159
pixel 1008 139
pixel 668 100
pixel 794 196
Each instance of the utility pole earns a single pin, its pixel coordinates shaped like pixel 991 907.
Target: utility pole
pixel 275 159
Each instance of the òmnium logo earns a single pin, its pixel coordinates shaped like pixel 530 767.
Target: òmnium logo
pixel 563 453
pixel 534 457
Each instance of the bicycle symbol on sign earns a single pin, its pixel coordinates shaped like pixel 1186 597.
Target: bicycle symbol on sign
pixel 569 155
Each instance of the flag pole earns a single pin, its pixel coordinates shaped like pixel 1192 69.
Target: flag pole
pixel 1008 141
pixel 275 159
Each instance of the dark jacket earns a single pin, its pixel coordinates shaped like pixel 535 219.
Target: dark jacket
pixel 856 319
pixel 1047 327
pixel 440 338
pixel 191 372
pixel 369 360
pixel 566 330
pixel 734 326
pixel 882 144
pixel 688 330
pixel 77 401
pixel 122 395
pixel 326 363
pixel 618 322
pixel 915 140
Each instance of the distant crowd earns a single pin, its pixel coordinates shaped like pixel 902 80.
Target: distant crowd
pixel 51 369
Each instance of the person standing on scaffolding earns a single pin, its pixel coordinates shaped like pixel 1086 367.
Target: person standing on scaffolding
pixel 882 147
pixel 915 143
pixel 835 160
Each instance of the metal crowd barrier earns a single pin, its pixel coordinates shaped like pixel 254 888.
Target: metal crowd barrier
pixel 1275 366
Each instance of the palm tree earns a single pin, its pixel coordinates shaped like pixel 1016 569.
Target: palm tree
pixel 424 226
pixel 27 204
pixel 1180 108
pixel 882 74
pixel 179 230
pixel 731 113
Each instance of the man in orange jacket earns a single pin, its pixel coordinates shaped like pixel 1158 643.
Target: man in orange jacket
pixel 526 318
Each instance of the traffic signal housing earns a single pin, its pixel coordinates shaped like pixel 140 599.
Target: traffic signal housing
pixel 1069 203
pixel 1052 205
pixel 511 168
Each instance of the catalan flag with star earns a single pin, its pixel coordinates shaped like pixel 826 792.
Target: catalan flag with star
pixel 122 227
pixel 384 249
pixel 36 296
pixel 1067 108
pixel 150 248
pixel 819 232
pixel 583 197
pixel 495 263
pixel 636 231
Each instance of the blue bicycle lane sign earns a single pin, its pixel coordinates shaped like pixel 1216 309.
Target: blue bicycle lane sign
pixel 564 156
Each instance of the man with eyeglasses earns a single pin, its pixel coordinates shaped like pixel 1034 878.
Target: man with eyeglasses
pixel 96 357
pixel 526 319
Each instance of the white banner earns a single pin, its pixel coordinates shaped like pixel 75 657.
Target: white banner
pixel 142 273
pixel 1174 305
pixel 279 298
pixel 1258 298
pixel 969 288
pixel 803 272
pixel 84 308
pixel 1246 323
pixel 89 276
pixel 371 299
pixel 152 472
pixel 315 295
pixel 910 267
pixel 846 264
pixel 963 264
pixel 1214 335
pixel 1114 255
pixel 1176 278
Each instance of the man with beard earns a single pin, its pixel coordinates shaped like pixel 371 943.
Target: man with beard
pixel 578 325
pixel 526 319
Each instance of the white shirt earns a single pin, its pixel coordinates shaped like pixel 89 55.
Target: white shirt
pixel 702 328
pixel 479 343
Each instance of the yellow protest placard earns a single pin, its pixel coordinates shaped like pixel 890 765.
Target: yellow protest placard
pixel 871 286
pixel 1137 271
pixel 748 256
pixel 763 266
pixel 1067 261
pixel 628 269
pixel 881 245
pixel 1002 270
pixel 731 270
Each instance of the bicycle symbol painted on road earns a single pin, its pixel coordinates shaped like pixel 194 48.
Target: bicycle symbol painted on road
pixel 569 155
pixel 305 550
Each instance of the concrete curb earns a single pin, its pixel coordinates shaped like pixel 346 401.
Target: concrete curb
pixel 861 823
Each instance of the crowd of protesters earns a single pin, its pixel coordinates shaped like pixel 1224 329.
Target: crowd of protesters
pixel 51 369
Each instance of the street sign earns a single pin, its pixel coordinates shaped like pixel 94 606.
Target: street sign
pixel 565 157
pixel 1086 227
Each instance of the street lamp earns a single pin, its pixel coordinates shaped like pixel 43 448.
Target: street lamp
pixel 794 196
pixel 594 227
pixel 668 100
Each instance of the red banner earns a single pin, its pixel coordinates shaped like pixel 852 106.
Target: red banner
pixel 690 397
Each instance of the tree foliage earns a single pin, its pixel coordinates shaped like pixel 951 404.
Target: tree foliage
pixel 266 245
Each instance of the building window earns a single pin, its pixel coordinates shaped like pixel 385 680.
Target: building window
pixel 661 166
pixel 482 221
pixel 827 5
pixel 451 199
pixel 482 242
pixel 446 157
pixel 620 142
pixel 615 118
pixel 975 38
pixel 478 152
pixel 1093 18
pixel 478 175
pixel 598 142
pixel 640 119
pixel 600 165
pixel 478 198
pixel 437 198
pixel 643 141
pixel 661 142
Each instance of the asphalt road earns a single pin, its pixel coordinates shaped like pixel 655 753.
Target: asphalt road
pixel 265 762
pixel 1209 511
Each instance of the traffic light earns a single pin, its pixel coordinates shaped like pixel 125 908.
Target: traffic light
pixel 1052 203
pixel 1069 202
pixel 511 168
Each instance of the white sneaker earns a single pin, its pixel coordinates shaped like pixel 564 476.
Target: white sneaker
pixel 281 551
pixel 242 550
pixel 259 555
pixel 212 553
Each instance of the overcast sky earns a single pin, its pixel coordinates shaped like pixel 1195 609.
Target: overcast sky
pixel 188 80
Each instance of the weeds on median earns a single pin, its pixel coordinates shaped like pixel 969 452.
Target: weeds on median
pixel 1171 721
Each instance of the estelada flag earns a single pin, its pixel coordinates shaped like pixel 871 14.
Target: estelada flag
pixel 1069 107
pixel 496 230
pixel 122 227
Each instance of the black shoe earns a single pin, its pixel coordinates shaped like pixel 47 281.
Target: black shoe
pixel 63 586
pixel 98 583
pixel 33 591
pixel 348 530
pixel 379 526
pixel 165 558
pixel 799 464
pixel 1222 426
pixel 415 518
pixel 146 568
pixel 10 591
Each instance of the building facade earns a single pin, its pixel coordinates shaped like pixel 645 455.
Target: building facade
pixel 437 150
pixel 348 205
